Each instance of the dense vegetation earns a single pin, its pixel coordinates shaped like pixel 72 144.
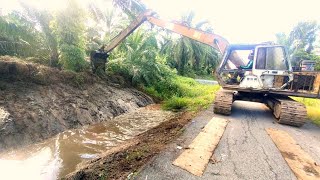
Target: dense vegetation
pixel 151 58
pixel 313 108
pixel 65 38
pixel 301 42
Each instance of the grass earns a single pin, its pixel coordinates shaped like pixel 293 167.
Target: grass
pixel 185 94
pixel 313 108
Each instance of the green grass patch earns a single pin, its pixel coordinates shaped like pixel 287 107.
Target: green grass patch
pixel 182 93
pixel 313 108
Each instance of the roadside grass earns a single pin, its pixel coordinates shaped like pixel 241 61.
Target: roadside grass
pixel 185 94
pixel 313 108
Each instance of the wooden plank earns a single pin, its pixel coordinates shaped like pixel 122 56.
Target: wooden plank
pixel 196 157
pixel 302 165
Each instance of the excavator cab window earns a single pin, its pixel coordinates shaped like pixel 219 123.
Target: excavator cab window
pixel 237 58
pixel 271 58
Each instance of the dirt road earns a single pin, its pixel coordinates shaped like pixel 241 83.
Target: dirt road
pixel 245 150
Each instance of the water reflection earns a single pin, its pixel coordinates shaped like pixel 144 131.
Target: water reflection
pixel 61 154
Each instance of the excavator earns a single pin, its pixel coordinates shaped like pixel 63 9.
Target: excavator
pixel 248 72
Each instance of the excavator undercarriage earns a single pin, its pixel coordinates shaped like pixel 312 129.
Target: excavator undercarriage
pixel 285 110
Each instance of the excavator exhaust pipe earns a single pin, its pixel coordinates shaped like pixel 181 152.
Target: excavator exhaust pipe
pixel 98 60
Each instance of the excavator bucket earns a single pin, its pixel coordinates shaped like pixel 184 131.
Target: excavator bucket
pixel 98 60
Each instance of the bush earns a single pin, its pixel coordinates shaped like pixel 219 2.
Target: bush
pixel 69 28
pixel 313 108
pixel 181 93
pixel 176 103
pixel 72 58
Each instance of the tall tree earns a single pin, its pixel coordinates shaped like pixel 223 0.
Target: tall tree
pixel 106 24
pixel 131 7
pixel 41 19
pixel 303 35
pixel 69 29
pixel 189 56
pixel 139 57
pixel 19 37
pixel 300 42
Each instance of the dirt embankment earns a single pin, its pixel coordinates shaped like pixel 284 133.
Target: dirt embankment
pixel 37 102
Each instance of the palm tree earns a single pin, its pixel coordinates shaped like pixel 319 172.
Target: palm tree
pixel 139 56
pixel 42 19
pixel 131 7
pixel 18 36
pixel 187 55
pixel 107 24
pixel 300 41
pixel 304 35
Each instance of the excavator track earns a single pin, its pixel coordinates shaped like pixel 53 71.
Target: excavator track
pixel 290 112
pixel 223 102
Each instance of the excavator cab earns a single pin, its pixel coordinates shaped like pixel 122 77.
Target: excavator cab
pixel 268 68
pixel 271 80
pixel 271 72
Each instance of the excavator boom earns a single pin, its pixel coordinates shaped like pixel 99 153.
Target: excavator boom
pixel 210 39
pixel 126 32
pixel 99 57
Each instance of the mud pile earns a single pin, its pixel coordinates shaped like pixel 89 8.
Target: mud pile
pixel 37 102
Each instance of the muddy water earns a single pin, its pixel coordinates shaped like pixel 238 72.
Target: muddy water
pixel 60 155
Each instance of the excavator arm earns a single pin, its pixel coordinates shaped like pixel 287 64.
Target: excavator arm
pixel 210 39
pixel 99 57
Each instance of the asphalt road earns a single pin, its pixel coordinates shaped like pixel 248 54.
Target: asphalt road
pixel 204 81
pixel 245 151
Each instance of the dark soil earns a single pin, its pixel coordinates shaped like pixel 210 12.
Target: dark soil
pixel 38 102
pixel 126 160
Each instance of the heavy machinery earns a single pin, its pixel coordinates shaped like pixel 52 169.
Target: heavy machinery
pixel 270 80
pixel 268 77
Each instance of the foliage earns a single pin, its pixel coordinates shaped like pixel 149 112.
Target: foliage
pixel 18 37
pixel 182 93
pixel 106 24
pixel 313 108
pixel 69 29
pixel 304 35
pixel 300 42
pixel 138 59
pixel 190 95
pixel 26 33
pixel 41 18
pixel 131 7
pixel 188 56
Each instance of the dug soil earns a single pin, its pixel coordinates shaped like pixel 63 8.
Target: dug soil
pixel 124 161
pixel 38 102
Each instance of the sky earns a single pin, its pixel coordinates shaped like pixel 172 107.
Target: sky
pixel 239 21
pixel 243 21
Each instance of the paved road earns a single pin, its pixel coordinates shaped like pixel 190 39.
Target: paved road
pixel 204 81
pixel 245 150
